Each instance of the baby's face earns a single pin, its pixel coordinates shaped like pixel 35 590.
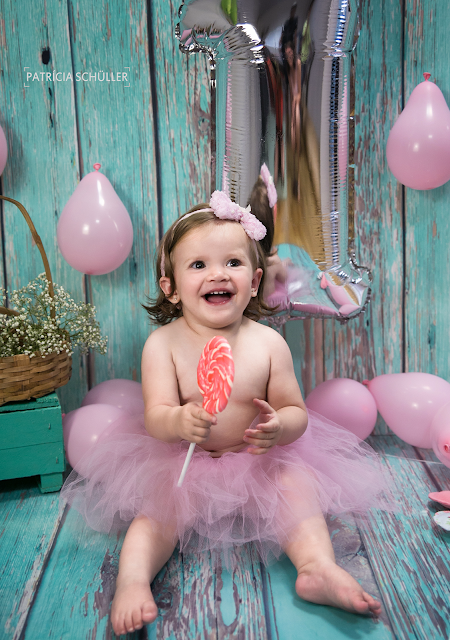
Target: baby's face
pixel 214 275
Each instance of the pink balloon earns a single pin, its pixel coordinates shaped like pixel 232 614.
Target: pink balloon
pixel 3 150
pixel 418 147
pixel 346 402
pixel 83 427
pixel 125 394
pixel 94 231
pixel 131 425
pixel 440 434
pixel 408 402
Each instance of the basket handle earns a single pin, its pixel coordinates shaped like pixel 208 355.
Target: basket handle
pixel 40 246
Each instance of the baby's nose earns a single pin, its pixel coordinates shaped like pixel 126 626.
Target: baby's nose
pixel 218 273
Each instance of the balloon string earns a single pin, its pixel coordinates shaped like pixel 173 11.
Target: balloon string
pixel 390 455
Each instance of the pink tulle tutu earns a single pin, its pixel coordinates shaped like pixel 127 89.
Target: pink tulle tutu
pixel 233 499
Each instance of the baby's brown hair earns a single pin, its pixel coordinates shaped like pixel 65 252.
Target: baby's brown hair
pixel 161 310
pixel 259 203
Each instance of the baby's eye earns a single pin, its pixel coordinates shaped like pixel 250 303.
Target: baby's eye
pixel 234 262
pixel 198 264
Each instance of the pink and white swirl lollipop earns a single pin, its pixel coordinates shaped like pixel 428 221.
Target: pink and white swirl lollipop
pixel 215 375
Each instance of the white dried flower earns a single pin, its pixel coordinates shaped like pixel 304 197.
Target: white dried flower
pixel 35 332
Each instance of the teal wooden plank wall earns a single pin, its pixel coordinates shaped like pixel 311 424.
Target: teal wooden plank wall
pixel 152 140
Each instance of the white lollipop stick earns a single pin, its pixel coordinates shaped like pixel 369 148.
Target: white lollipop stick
pixel 215 374
pixel 186 463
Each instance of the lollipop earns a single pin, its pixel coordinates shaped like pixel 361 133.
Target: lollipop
pixel 215 374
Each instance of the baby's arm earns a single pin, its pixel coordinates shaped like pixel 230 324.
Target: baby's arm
pixel 165 419
pixel 283 415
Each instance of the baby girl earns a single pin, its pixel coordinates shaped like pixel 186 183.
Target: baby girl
pixel 263 471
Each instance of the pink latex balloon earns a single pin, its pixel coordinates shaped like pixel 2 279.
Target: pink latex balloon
pixel 83 427
pixel 94 231
pixel 125 394
pixel 346 402
pixel 3 150
pixel 131 425
pixel 418 147
pixel 440 434
pixel 408 402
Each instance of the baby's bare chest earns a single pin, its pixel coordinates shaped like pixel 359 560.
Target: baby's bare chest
pixel 252 370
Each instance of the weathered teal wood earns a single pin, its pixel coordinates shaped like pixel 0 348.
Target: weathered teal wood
pixel 183 98
pixel 427 304
pixel 439 474
pixel 42 168
pixel 115 128
pixel 75 593
pixel 305 339
pixel 29 524
pixel 372 344
pixel 198 598
pixel 408 552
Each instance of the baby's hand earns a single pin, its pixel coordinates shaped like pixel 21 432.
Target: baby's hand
pixel 267 433
pixel 195 423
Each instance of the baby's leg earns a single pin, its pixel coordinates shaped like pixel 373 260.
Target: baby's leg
pixel 144 552
pixel 319 578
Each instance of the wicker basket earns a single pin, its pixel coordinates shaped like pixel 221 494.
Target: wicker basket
pixel 22 377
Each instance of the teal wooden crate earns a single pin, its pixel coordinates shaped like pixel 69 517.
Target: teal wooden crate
pixel 31 441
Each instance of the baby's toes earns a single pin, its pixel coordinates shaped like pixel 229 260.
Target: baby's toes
pixel 129 621
pixel 374 605
pixel 149 611
pixel 136 619
pixel 360 605
pixel 118 624
pixel 366 604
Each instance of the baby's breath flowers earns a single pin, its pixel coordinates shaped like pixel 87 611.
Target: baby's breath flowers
pixel 34 332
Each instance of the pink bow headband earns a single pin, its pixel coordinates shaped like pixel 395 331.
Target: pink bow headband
pixel 224 209
pixel 268 181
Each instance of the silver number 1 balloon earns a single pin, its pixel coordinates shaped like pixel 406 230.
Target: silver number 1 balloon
pixel 280 83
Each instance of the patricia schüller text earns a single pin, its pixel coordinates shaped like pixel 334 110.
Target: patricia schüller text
pixel 79 76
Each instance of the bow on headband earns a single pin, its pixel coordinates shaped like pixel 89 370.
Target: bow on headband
pixel 268 181
pixel 225 209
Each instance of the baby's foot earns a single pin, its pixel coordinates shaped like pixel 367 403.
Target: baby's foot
pixel 132 607
pixel 326 583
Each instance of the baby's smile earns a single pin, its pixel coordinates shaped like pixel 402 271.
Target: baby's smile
pixel 218 296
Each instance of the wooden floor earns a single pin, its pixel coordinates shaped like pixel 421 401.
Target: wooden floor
pixel 57 578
